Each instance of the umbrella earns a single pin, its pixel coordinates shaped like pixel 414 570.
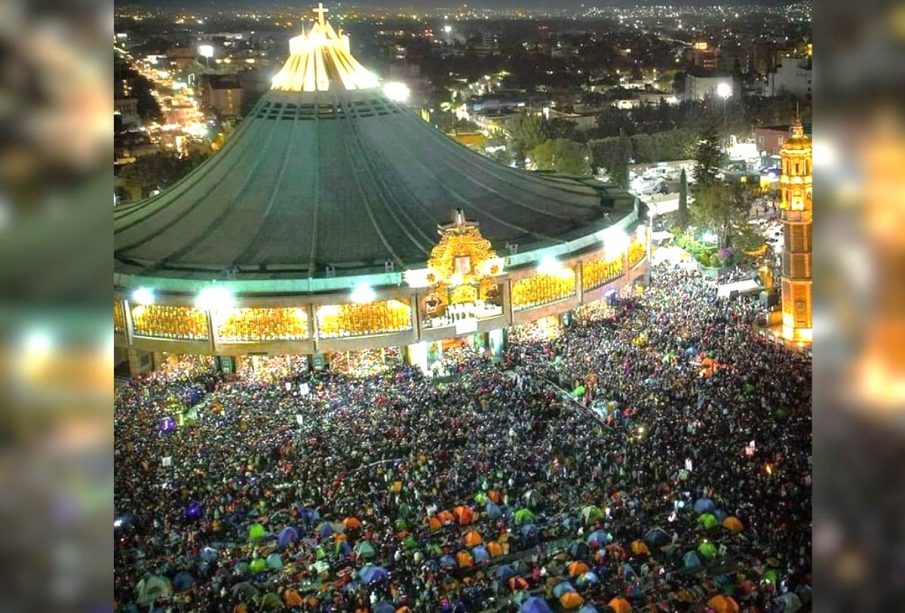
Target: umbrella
pixel 494 496
pixel 493 510
pixel 209 554
pixel 257 565
pixel 274 561
pixel 352 523
pixel 505 572
pixel 383 607
pixel 619 605
pixel 480 555
pixel 528 531
pixel 448 563
pixel 723 604
pixel 597 539
pixel 657 538
pixel 287 536
pixel 183 581
pixel 342 548
pixel 464 559
pixel 704 505
pixel 366 550
pixel 733 524
pixel 591 514
pixel 578 550
pixel 588 578
pixel 708 550
pixel 523 516
pixel 372 574
pixel 535 605
pixel 194 511
pixel 691 561
pixel 517 583
pixel 708 521
pixel 464 514
pixel 577 568
pixel 639 548
pixel 472 538
pixel 292 598
pixel 256 532
pixel 571 600
pixel 563 587
pixel 494 549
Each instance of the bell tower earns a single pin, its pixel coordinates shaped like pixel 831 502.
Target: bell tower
pixel 796 214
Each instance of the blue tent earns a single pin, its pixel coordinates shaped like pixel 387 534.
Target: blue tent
pixel 325 529
pixel 562 588
pixel 691 560
pixel 597 539
pixel 383 607
pixel 505 572
pixel 528 531
pixel 209 554
pixel 288 535
pixel 704 505
pixel 480 555
pixel 372 574
pixel 657 538
pixel 535 605
pixel 274 561
pixel 448 563
pixel 493 510
pixel 588 578
pixel 183 581
pixel 588 608
pixel 720 514
pixel 578 550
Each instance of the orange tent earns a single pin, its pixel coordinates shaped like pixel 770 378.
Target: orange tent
pixel 352 523
pixel 619 605
pixel 494 496
pixel 292 598
pixel 445 517
pixel 723 604
pixel 571 600
pixel 616 551
pixel 464 559
pixel 494 549
pixel 639 548
pixel 434 524
pixel 517 583
pixel 464 514
pixel 473 538
pixel 577 568
pixel 403 609
pixel 396 487
pixel 733 524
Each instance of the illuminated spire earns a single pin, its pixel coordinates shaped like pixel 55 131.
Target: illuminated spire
pixel 320 60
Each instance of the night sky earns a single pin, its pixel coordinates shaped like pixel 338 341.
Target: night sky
pixel 500 4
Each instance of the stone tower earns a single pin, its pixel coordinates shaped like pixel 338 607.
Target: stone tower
pixel 796 214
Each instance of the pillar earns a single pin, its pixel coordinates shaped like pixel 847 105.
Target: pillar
pixel 140 361
pixel 416 355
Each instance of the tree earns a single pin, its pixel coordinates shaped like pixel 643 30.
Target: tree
pixel 709 157
pixel 683 200
pixel 618 169
pixel 158 170
pixel 563 156
pixel 723 209
pixel 525 133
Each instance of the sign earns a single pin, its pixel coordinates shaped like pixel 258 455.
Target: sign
pixel 319 362
pixel 227 364
pixel 167 461
pixel 688 464
pixel 305 389
pixel 467 326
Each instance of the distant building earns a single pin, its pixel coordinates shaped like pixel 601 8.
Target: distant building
pixel 224 94
pixel 700 84
pixel 792 76
pixel 127 109
pixel 770 139
pixel 703 56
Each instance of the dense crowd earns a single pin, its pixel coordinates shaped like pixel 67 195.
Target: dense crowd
pixel 656 454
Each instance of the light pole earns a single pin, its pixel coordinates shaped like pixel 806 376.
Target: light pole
pixel 724 91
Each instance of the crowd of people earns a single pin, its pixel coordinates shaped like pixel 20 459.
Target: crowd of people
pixel 654 455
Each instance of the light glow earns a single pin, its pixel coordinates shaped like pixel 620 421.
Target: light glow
pixel 549 266
pixel 206 51
pixel 363 294
pixel 143 295
pixel 214 299
pixel 724 90
pixel 396 91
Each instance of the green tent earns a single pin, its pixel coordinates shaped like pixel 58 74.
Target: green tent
pixel 257 565
pixel 708 521
pixel 151 588
pixel 771 576
pixel 590 514
pixel 256 532
pixel 270 602
pixel 708 550
pixel 579 391
pixel 480 498
pixel 523 516
pixel 402 524
pixel 410 542
pixel 366 550
pixel 320 567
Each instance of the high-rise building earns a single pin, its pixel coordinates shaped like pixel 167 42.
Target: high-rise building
pixel 796 214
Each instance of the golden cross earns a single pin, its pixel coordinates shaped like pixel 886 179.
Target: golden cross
pixel 320 10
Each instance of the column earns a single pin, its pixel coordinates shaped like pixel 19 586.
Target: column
pixel 416 355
